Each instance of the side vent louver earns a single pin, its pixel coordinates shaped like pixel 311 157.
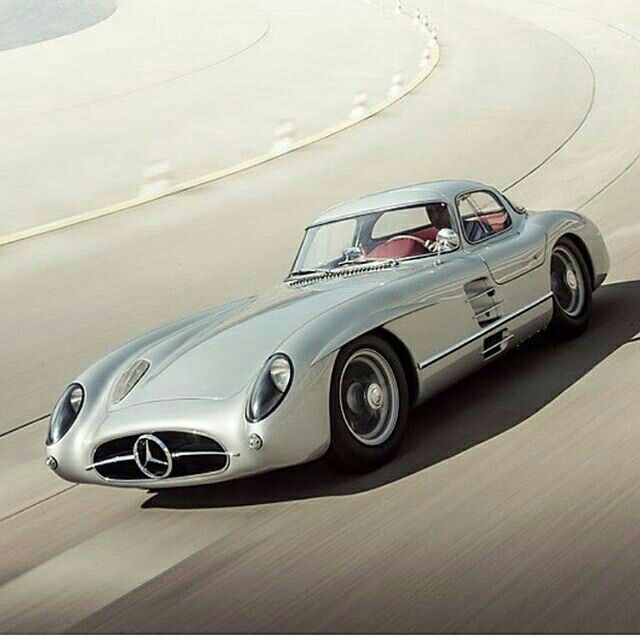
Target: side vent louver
pixel 485 307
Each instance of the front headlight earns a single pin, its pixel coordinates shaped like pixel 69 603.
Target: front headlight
pixel 65 413
pixel 270 388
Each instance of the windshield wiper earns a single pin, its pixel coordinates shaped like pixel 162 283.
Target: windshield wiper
pixel 383 262
pixel 309 272
pixel 392 262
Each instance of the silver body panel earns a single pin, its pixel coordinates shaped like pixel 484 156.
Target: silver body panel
pixel 441 311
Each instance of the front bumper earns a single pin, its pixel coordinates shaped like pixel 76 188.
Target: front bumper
pixel 298 431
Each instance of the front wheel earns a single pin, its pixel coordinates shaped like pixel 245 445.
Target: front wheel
pixel 572 291
pixel 369 405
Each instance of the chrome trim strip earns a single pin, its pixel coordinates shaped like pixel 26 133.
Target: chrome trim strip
pixel 180 454
pixel 115 460
pixel 480 334
pixel 143 482
pixel 226 454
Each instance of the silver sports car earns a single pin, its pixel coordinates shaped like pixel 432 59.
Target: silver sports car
pixel 391 298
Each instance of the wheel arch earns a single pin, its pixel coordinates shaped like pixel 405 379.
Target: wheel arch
pixel 406 360
pixel 582 247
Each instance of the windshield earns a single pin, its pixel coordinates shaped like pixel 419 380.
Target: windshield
pixel 381 235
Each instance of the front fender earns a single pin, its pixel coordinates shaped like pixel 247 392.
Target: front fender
pixel 586 232
pixel 296 432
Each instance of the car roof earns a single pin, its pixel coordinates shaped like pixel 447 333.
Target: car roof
pixel 442 190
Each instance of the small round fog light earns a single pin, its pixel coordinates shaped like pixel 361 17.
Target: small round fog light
pixel 51 462
pixel 255 442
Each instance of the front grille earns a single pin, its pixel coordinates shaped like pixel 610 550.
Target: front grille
pixel 191 454
pixel 124 470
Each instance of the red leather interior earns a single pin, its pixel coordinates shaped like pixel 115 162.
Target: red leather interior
pixel 403 247
pixel 400 248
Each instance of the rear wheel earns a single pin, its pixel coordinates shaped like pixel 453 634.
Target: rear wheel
pixel 369 405
pixel 572 291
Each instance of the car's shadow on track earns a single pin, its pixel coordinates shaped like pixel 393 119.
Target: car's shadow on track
pixel 482 406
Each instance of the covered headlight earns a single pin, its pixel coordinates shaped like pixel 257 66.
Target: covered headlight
pixel 128 380
pixel 270 388
pixel 65 412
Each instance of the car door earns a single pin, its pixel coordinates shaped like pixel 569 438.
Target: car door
pixel 443 325
pixel 511 245
pixel 514 249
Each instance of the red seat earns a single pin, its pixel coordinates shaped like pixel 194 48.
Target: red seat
pixel 400 248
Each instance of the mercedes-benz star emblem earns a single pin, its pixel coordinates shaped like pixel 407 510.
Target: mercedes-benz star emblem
pixel 152 457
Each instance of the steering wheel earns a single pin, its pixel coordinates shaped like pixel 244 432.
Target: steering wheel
pixel 414 238
pixel 429 245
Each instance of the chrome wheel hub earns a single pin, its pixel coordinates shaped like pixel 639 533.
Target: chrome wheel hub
pixel 572 280
pixel 374 396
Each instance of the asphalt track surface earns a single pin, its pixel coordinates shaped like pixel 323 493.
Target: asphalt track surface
pixel 515 501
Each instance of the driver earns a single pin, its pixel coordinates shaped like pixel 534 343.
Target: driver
pixel 440 219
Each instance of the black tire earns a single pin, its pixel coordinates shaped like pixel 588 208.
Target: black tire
pixel 570 317
pixel 362 453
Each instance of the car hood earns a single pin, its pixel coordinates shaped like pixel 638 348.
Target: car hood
pixel 219 352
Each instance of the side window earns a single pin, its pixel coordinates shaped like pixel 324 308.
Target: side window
pixel 482 215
